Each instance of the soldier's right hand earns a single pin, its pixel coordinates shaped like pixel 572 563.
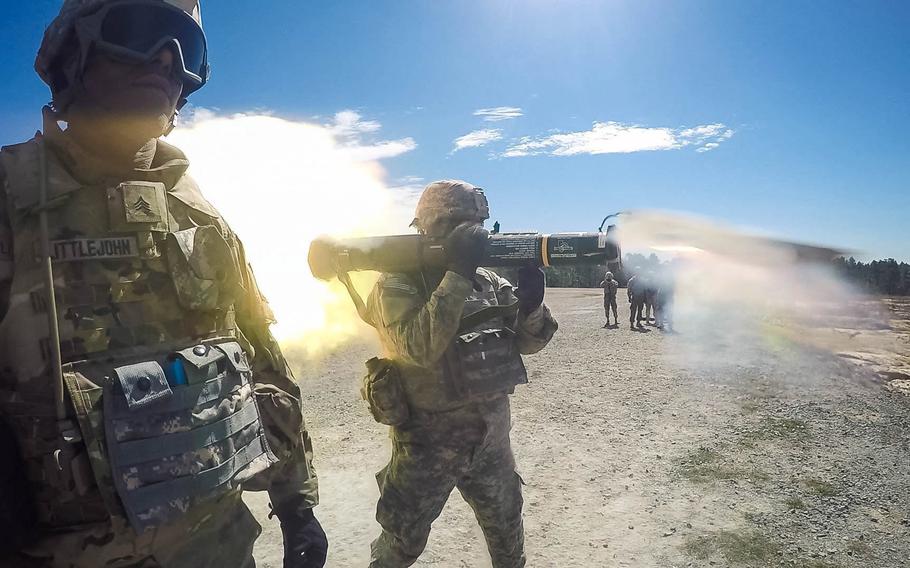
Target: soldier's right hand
pixel 465 248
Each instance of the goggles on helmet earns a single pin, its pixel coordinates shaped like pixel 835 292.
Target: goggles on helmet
pixel 135 31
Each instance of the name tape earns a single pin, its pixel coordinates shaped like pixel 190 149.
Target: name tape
pixel 86 249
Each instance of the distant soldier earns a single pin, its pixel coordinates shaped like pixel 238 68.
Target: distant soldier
pixel 663 303
pixel 610 287
pixel 635 288
pixel 650 295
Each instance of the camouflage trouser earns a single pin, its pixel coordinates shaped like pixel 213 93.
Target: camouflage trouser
pixel 467 448
pixel 220 536
pixel 610 303
pixel 635 308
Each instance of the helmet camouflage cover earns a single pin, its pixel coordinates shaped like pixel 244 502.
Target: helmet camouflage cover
pixel 60 32
pixel 450 199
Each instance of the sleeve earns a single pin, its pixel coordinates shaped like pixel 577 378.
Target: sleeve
pixel 280 401
pixel 533 331
pixel 6 249
pixel 417 331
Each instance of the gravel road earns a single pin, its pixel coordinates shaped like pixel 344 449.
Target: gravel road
pixel 654 449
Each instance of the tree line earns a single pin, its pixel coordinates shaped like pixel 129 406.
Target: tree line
pixel 882 277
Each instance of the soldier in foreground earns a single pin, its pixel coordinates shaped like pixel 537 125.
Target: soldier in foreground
pixel 450 337
pixel 143 388
pixel 610 287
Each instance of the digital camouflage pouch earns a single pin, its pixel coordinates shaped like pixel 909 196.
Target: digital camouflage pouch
pixel 382 390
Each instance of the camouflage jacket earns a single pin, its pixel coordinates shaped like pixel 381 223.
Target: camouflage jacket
pixel 417 329
pixel 610 287
pixel 123 294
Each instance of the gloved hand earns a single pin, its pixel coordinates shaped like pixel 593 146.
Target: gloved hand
pixel 465 247
pixel 531 284
pixel 305 543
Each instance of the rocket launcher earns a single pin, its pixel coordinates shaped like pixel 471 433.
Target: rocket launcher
pixel 329 257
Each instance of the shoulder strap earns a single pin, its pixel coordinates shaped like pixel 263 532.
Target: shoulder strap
pixel 345 278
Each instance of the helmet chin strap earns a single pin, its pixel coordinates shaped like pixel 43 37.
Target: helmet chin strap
pixel 171 123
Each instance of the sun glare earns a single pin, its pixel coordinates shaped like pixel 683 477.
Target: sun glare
pixel 280 183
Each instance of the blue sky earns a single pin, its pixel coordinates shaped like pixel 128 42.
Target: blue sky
pixel 608 105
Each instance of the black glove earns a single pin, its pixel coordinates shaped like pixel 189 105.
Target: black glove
pixel 305 543
pixel 465 247
pixel 531 284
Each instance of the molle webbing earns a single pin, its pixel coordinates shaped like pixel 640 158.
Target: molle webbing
pixel 199 485
pixel 145 450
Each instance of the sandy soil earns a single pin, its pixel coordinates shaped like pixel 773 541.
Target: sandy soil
pixel 646 449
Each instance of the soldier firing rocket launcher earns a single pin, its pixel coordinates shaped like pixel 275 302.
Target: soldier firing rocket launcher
pixel 329 257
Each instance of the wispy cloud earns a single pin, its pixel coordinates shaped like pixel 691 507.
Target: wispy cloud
pixel 496 114
pixel 618 138
pixel 355 136
pixel 477 138
pixel 407 190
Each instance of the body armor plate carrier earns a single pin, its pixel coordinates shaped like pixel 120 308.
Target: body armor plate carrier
pixel 146 274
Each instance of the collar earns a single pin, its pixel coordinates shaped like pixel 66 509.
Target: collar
pixel 167 164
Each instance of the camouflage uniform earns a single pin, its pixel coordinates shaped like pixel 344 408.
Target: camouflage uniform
pixel 451 439
pixel 635 288
pixel 610 287
pixel 133 283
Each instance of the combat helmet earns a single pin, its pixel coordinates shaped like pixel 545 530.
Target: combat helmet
pixel 450 199
pixel 124 29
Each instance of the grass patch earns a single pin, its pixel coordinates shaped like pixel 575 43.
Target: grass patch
pixel 794 503
pixel 820 487
pixel 780 429
pixel 704 465
pixel 734 546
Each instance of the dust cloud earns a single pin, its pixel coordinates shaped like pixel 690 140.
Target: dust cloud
pixel 280 183
pixel 739 297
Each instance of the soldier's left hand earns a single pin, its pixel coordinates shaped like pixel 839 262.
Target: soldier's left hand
pixel 531 284
pixel 305 543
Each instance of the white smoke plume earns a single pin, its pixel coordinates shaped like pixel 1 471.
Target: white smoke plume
pixel 739 297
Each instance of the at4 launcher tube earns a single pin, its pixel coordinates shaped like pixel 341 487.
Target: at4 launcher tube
pixel 409 253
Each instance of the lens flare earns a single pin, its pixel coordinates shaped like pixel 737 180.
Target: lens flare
pixel 280 183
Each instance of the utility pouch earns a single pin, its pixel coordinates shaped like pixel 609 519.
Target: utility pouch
pixel 281 417
pixel 488 362
pixel 204 269
pixel 382 390
pixel 158 449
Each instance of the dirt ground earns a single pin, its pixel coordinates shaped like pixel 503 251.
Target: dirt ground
pixel 642 449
